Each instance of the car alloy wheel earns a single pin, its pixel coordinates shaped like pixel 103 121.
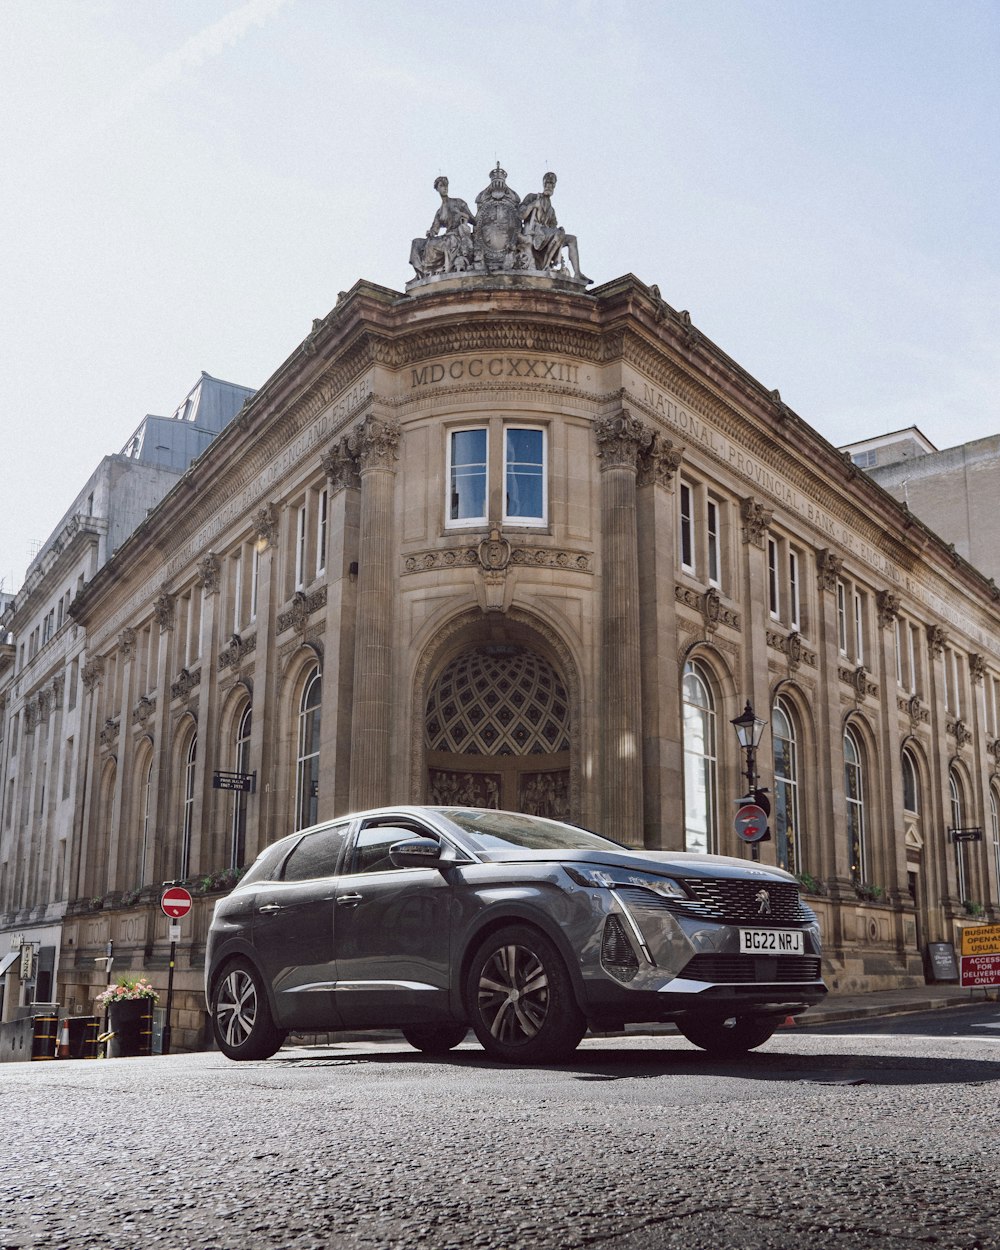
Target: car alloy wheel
pixel 727 1039
pixel 520 998
pixel 241 1018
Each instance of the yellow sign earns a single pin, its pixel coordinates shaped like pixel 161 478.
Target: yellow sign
pixel 982 939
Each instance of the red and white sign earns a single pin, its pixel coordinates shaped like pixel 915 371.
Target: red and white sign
pixel 980 970
pixel 175 902
pixel 751 822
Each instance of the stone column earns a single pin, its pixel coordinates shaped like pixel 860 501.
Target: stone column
pixel 375 443
pixel 269 810
pixel 88 784
pixel 118 845
pixel 161 863
pixel 620 439
pixel 938 859
pixel 755 524
pixel 209 848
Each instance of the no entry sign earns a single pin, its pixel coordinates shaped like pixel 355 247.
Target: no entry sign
pixel 175 902
pixel 751 822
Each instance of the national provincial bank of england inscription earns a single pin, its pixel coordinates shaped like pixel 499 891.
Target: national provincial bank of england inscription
pixel 496 368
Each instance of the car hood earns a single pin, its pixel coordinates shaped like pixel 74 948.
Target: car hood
pixel 663 863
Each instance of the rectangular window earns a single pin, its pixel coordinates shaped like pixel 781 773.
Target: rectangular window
pixel 794 607
pixel 773 599
pixel 859 627
pixel 687 527
pixel 237 585
pixel 254 581
pixel 74 678
pixel 67 768
pixel 712 534
pixel 467 467
pixel 300 548
pixel 898 628
pixel 524 476
pixel 842 618
pixel 322 515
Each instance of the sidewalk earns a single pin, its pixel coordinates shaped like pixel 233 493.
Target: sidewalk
pixel 836 1008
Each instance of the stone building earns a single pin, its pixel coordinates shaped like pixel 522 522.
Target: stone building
pixel 41 782
pixel 508 539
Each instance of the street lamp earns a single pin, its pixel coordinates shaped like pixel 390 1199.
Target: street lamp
pixel 749 728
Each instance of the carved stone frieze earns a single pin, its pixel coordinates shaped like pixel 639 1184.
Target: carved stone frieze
pixel 756 521
pixel 301 608
pixel 659 461
pixel 960 732
pixel 915 710
pixel 888 607
pixel 793 647
pixel 234 652
pixel 92 673
pixel 185 683
pixel 709 603
pixel 469 557
pixel 210 573
pixel 143 710
pixel 828 568
pixel 621 439
pixel 265 524
pixel 937 639
pixel 857 679
pixel 163 609
pixel 109 733
pixel 126 642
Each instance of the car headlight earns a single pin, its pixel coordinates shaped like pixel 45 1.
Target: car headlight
pixel 618 878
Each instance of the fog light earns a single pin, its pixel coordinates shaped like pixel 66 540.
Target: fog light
pixel 617 956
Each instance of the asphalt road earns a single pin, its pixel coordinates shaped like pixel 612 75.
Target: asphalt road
pixel 869 1140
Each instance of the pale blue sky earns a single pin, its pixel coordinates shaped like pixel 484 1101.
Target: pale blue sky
pixel 187 183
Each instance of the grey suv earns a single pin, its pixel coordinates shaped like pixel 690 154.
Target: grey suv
pixel 430 920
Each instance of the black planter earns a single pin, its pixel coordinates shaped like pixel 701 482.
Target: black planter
pixel 131 1023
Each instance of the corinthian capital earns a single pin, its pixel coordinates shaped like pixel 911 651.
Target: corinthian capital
pixel 621 439
pixel 375 444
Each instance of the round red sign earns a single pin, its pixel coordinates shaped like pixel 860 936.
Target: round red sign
pixel 175 902
pixel 751 823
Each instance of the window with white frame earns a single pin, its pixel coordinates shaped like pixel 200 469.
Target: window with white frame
pixel 322 528
pixel 911 785
pixel 300 547
pixel 700 762
pixel 784 582
pixel 146 811
pixel 852 622
pixel 519 496
pixel 786 785
pixel 995 830
pixel 254 580
pixel 467 476
pixel 241 762
pixel 954 674
pixel 525 487
pixel 307 759
pixel 187 805
pixel 855 796
pixel 701 532
pixel 957 805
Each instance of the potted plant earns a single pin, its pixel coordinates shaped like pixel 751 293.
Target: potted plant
pixel 129 1005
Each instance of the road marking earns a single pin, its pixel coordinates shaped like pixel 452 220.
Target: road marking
pixel 986 1026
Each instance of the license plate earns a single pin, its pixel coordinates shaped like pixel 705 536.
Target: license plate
pixel 771 942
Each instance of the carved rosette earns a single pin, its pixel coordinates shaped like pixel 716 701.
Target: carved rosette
pixel 185 683
pixel 163 609
pixel 126 642
pixel 621 440
pixel 265 524
pixel 659 462
pixel 756 521
pixel 937 639
pixel 143 710
pixel 340 465
pixel 210 573
pixel 977 667
pixel 92 673
pixel 828 569
pixel 888 608
pixel 375 443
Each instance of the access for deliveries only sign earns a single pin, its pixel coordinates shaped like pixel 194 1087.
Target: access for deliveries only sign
pixel 981 955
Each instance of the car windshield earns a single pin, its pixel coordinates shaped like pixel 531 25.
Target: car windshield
pixel 500 831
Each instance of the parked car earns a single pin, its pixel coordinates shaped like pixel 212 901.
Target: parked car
pixel 432 919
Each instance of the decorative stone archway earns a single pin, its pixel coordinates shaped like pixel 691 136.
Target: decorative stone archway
pixel 497 732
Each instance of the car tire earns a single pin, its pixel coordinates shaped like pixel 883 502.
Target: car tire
pixel 726 1039
pixel 435 1039
pixel 241 1017
pixel 520 998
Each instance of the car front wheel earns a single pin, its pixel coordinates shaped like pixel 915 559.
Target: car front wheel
pixel 520 998
pixel 241 1018
pixel 727 1039
pixel 435 1039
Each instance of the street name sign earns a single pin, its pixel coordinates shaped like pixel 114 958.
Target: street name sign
pixel 175 902
pixel 981 956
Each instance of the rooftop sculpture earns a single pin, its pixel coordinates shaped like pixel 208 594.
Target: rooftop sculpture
pixel 504 235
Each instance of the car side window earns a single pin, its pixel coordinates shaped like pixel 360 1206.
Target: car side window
pixel 371 851
pixel 317 854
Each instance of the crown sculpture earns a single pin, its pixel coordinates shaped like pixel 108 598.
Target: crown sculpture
pixel 504 235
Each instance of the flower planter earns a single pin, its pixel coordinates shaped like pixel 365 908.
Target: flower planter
pixel 131 1024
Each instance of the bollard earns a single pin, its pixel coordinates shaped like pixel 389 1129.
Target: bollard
pixel 43 1041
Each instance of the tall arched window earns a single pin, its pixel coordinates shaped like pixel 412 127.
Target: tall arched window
pixel 786 786
pixel 145 817
pixel 699 761
pixel 238 824
pixel 307 765
pixel 961 876
pixel 187 810
pixel 911 785
pixel 854 791
pixel 995 830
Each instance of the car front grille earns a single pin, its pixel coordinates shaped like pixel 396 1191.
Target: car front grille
pixel 730 969
pixel 728 901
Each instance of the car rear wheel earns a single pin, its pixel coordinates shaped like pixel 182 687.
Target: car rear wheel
pixel 241 1018
pixel 520 998
pixel 435 1039
pixel 729 1038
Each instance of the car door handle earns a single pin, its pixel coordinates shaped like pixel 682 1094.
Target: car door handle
pixel 349 900
pixel 269 907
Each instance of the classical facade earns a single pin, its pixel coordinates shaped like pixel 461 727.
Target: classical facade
pixel 43 673
pixel 509 539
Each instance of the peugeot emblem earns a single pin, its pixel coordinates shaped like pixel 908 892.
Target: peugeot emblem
pixel 763 903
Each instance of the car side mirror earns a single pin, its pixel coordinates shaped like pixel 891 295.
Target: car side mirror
pixel 416 853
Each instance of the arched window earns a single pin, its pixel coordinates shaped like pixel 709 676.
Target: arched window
pixel 911 785
pixel 699 761
pixel 241 764
pixel 786 786
pixel 187 809
pixel 145 817
pixel 854 791
pixel 995 830
pixel 307 765
pixel 957 804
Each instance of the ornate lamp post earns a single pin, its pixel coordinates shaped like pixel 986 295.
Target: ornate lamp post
pixel 749 728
